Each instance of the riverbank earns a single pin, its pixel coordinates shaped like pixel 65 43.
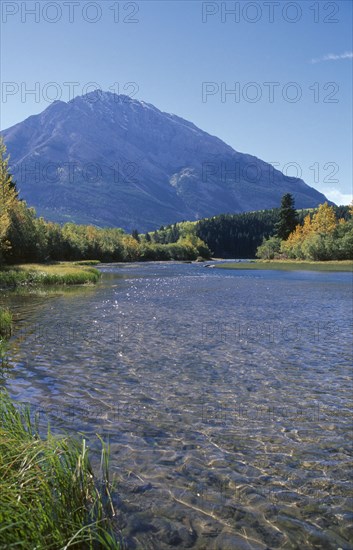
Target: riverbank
pixel 50 498
pixel 289 265
pixel 56 273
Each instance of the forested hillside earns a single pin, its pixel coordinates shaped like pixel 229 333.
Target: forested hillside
pixel 235 235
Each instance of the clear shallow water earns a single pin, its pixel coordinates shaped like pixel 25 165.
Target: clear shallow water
pixel 225 396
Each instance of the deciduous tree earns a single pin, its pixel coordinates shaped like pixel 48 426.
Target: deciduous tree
pixel 8 199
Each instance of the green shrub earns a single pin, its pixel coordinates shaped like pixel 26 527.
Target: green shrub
pixel 269 249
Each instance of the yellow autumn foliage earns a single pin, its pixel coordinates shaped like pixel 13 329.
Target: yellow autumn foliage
pixel 324 220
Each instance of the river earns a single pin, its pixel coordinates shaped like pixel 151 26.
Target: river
pixel 225 397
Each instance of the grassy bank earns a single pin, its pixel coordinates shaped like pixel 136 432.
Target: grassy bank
pixel 290 265
pixel 48 495
pixel 87 262
pixel 58 273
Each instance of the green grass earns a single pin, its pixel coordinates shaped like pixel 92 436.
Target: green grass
pixel 87 262
pixel 5 333
pixel 60 273
pixel 5 323
pixel 49 498
pixel 290 265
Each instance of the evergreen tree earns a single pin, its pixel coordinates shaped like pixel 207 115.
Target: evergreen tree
pixel 135 235
pixel 288 218
pixel 237 235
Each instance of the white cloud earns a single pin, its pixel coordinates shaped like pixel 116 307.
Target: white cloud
pixel 333 57
pixel 337 197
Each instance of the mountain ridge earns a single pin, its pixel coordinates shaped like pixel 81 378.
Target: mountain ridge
pixel 111 160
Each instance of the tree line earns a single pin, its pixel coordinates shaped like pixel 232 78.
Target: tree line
pixel 325 233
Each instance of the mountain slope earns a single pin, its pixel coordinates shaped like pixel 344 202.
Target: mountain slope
pixel 113 161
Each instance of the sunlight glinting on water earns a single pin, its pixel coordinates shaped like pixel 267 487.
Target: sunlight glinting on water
pixel 224 395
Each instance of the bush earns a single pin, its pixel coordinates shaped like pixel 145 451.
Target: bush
pixel 318 247
pixel 269 249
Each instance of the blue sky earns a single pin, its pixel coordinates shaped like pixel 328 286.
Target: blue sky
pixel 289 63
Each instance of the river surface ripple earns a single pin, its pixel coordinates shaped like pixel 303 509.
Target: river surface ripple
pixel 225 396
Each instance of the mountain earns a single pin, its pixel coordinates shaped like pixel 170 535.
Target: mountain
pixel 110 160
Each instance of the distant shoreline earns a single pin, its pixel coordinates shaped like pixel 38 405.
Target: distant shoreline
pixel 289 265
